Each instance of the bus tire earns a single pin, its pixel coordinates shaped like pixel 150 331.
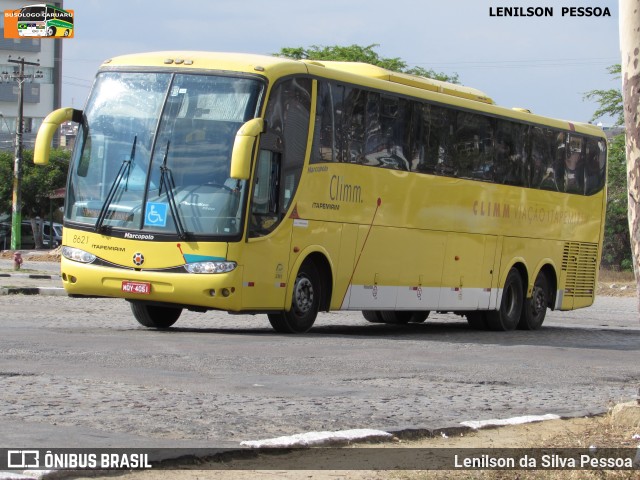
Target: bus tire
pixel 508 316
pixel 305 303
pixel 535 308
pixel 66 32
pixel 154 316
pixel 372 316
pixel 51 31
pixel 419 316
pixel 477 320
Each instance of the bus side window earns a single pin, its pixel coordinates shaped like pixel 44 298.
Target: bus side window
pixel 509 153
pixel 542 171
pixel 573 166
pixel 324 141
pixel 595 167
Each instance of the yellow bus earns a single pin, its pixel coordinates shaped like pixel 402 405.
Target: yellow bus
pixel 256 184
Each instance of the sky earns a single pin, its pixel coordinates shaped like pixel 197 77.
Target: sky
pixel 545 64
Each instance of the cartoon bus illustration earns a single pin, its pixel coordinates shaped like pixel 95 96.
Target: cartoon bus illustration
pixel 44 20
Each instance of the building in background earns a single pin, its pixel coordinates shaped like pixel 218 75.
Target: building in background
pixel 42 95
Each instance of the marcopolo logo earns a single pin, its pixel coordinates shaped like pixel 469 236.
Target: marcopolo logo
pixel 41 20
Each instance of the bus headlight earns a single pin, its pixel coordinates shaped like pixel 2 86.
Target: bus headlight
pixel 77 255
pixel 210 267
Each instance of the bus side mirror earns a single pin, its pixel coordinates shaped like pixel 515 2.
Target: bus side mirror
pixel 243 148
pixel 48 129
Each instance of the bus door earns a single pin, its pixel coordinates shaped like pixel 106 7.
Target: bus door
pixel 467 278
pixel 280 159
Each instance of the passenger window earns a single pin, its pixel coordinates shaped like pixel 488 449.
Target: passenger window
pixel 595 165
pixel 473 147
pixel 432 151
pixel 324 141
pixel 353 125
pixel 509 153
pixel 571 153
pixel 542 159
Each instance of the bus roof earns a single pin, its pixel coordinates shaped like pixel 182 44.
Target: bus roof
pixel 274 67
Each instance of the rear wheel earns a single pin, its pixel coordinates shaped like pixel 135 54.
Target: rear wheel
pixel 305 303
pixel 535 308
pixel 154 316
pixel 508 316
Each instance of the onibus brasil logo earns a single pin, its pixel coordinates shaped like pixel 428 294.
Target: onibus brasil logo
pixel 41 20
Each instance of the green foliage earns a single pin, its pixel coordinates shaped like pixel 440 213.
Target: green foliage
pixel 616 251
pixel 38 181
pixel 610 101
pixel 358 53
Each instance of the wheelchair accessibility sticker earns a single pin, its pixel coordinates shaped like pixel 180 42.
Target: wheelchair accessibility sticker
pixel 156 214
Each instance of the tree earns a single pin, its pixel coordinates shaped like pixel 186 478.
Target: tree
pixel 629 46
pixel 610 101
pixel 616 250
pixel 358 53
pixel 38 182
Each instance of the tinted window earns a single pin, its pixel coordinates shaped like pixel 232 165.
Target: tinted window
pixel 374 129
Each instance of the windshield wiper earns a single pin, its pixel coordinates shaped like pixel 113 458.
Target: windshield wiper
pixel 124 170
pixel 166 179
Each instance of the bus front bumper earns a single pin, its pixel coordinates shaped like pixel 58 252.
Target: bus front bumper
pixel 221 291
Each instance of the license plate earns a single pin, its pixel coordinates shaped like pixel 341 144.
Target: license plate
pixel 143 288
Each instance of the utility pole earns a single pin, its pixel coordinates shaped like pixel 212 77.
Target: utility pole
pixel 16 206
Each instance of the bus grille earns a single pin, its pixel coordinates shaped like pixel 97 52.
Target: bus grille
pixel 580 261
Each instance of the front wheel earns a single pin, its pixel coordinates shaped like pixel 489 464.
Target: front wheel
pixel 305 303
pixel 508 316
pixel 154 316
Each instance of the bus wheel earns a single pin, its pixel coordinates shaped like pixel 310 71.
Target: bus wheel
pixel 535 308
pixel 419 316
pixel 304 305
pixel 66 32
pixel 372 316
pixel 51 31
pixel 477 320
pixel 154 316
pixel 508 316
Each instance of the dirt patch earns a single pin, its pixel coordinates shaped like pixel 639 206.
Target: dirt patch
pixel 35 256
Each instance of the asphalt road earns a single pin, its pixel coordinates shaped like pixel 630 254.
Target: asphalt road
pixel 82 373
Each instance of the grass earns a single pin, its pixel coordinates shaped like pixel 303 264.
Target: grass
pixel 608 275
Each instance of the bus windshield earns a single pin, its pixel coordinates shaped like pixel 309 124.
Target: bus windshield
pixel 154 154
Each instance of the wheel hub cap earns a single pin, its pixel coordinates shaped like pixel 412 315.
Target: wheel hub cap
pixel 303 294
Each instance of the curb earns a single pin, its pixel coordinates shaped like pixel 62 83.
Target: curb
pixel 50 291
